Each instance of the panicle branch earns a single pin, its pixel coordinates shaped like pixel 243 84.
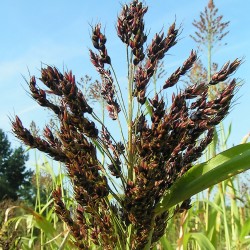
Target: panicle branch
pixel 130 28
pixel 99 61
pixel 70 145
pixel 211 28
pixel 155 52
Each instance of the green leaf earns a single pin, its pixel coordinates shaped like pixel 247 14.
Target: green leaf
pixel 245 230
pixel 165 243
pixel 41 222
pixel 228 133
pixel 202 241
pixel 148 108
pixel 201 176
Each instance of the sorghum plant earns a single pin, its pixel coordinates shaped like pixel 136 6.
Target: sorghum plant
pixel 210 31
pixel 161 145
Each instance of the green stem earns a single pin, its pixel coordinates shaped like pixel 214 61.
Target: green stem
pixel 121 131
pixel 103 155
pixel 152 226
pixel 122 104
pixel 130 233
pixel 38 201
pixel 38 196
pixel 227 236
pixel 209 47
pixel 102 148
pixel 130 120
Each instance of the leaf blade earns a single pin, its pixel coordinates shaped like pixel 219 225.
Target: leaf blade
pixel 226 164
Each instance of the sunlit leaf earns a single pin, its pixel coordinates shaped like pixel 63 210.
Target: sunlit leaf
pixel 202 241
pixel 226 164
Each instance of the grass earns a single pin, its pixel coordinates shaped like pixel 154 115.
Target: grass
pixel 227 226
pixel 218 221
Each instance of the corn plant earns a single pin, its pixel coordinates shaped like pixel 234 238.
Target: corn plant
pixel 125 199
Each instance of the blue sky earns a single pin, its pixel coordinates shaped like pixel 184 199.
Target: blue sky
pixel 58 33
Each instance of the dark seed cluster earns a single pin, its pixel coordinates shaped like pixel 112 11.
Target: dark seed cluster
pixel 117 150
pixel 99 61
pixel 169 144
pixel 71 146
pixel 130 28
pixel 155 52
pixel 163 144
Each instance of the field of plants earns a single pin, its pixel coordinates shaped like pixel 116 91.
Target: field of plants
pixel 165 178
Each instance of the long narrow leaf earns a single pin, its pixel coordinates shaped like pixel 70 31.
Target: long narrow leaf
pixel 202 241
pixel 245 230
pixel 226 164
pixel 166 244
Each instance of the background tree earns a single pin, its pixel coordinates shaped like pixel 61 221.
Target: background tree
pixel 14 177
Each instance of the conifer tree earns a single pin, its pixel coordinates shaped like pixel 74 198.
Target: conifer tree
pixel 14 176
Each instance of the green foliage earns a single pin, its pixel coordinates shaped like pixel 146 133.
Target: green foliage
pixel 226 164
pixel 14 176
pixel 228 216
pixel 40 228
